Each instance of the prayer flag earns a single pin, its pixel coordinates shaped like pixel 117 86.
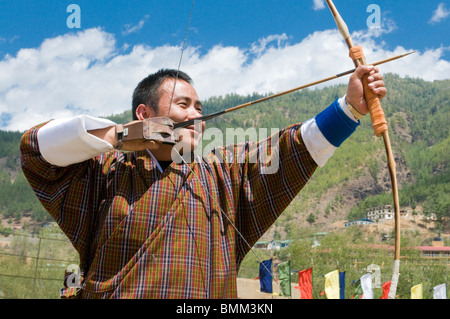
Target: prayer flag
pixel 342 285
pixel 386 287
pixel 305 283
pixel 416 292
pixel 440 292
pixel 332 285
pixel 366 285
pixel 284 277
pixel 265 276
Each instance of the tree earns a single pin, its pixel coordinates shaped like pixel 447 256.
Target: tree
pixel 311 218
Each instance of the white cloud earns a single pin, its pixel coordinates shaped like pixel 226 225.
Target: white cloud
pixel 73 74
pixel 129 28
pixel 318 5
pixel 387 26
pixel 259 47
pixel 439 14
pixel 9 40
pixel 86 73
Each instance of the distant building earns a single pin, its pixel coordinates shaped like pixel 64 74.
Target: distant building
pixel 436 252
pixel 385 212
pixel 437 242
pixel 47 224
pixel 261 244
pixel 364 221
pixel 437 249
pixel 273 245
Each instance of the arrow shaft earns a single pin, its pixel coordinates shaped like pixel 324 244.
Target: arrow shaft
pixel 234 108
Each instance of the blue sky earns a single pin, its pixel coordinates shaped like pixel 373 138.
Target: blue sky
pixel 232 22
pixel 232 46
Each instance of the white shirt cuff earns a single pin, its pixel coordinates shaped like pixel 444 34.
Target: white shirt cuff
pixel 318 146
pixel 63 142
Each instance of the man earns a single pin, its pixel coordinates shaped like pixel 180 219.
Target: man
pixel 148 230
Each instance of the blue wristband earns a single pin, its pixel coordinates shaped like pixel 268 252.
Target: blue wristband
pixel 335 125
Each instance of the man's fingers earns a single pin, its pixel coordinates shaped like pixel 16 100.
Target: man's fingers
pixel 374 77
pixel 378 88
pixel 363 69
pixel 376 83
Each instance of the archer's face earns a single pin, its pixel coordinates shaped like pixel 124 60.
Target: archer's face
pixel 185 106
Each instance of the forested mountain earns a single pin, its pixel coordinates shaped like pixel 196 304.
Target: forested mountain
pixel 355 178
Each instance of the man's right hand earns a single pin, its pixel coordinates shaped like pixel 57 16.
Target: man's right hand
pixel 138 143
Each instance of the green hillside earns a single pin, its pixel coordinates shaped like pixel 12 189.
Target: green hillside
pixel 355 178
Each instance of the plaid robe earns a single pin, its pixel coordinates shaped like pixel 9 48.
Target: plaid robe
pixel 145 234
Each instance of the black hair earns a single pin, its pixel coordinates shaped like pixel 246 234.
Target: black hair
pixel 147 91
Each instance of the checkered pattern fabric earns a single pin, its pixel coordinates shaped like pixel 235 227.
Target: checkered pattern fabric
pixel 145 234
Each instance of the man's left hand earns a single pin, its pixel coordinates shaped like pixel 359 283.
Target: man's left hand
pixel 355 93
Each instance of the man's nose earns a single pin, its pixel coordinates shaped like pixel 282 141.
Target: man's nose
pixel 193 113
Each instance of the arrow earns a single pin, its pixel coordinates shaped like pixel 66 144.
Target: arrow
pixel 234 108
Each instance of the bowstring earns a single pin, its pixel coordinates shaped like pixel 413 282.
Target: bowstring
pixel 181 57
pixel 195 175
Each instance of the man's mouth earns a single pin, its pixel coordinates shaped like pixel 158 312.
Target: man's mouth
pixel 191 128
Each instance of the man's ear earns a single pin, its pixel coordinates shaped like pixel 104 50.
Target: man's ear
pixel 143 111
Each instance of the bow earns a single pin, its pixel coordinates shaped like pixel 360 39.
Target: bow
pixel 377 117
pixel 380 128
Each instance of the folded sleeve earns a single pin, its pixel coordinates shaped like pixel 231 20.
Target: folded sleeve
pixel 70 193
pixel 63 142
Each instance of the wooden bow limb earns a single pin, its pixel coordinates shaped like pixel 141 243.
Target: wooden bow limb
pixel 380 129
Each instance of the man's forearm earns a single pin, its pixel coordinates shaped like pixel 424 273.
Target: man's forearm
pixel 108 134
